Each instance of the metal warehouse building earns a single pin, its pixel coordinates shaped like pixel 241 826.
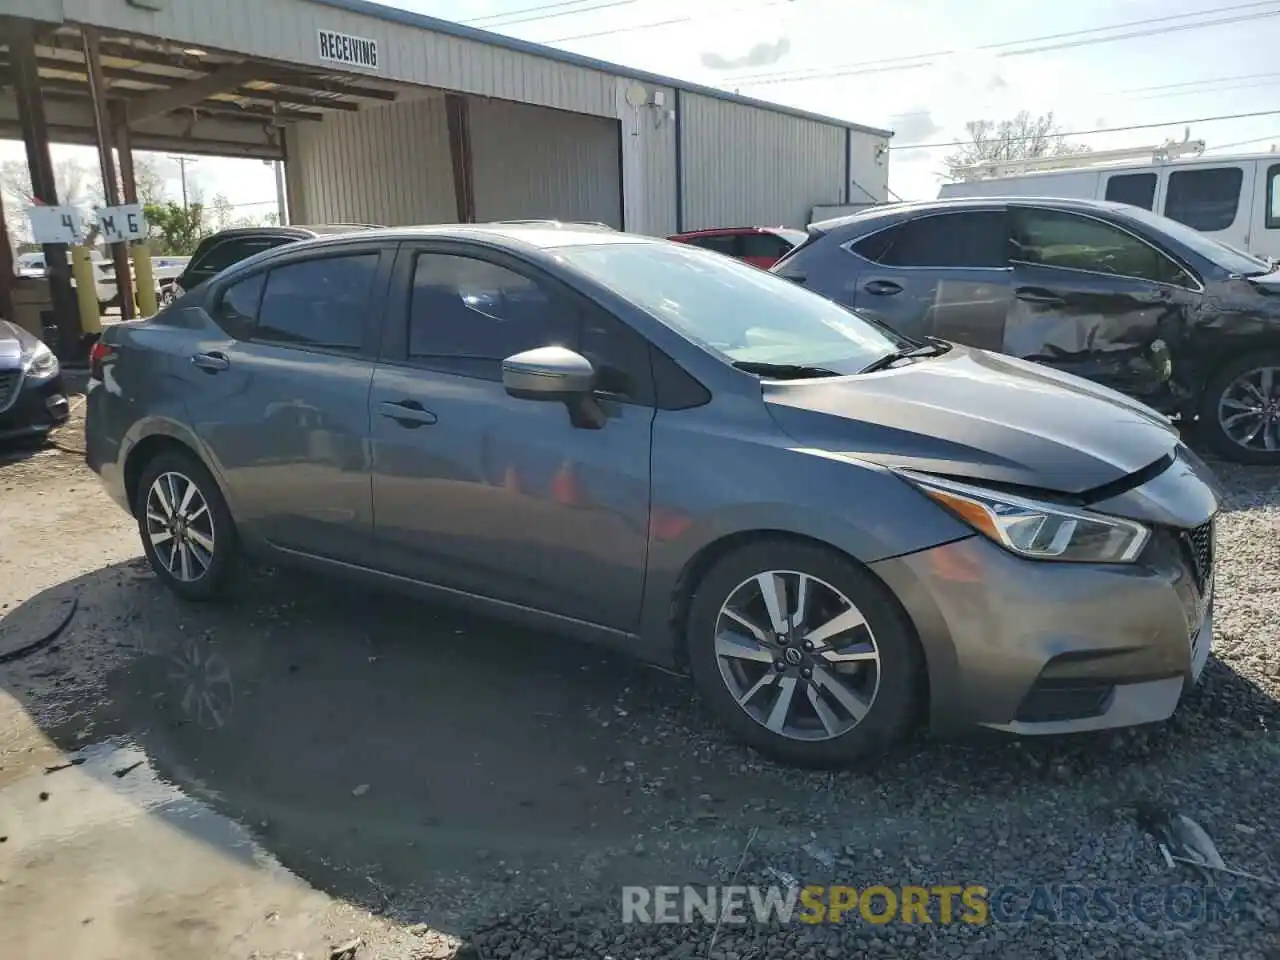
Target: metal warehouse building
pixel 391 117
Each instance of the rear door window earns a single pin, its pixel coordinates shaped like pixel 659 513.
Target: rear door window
pixel 1204 200
pixel 319 304
pixel 765 245
pixel 226 253
pixel 1135 189
pixel 726 243
pixel 973 239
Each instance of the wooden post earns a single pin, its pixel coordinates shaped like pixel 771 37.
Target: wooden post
pixel 98 94
pixel 35 136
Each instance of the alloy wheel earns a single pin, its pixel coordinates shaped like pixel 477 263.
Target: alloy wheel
pixel 1249 409
pixel 180 526
pixel 797 655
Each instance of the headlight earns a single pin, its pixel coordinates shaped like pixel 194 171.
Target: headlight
pixel 41 364
pixel 1037 530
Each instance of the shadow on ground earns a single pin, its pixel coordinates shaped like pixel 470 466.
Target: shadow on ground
pixel 424 763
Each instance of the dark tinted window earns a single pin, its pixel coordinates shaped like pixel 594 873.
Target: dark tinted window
pixel 1052 238
pixel 225 253
pixel 318 303
pixel 238 307
pixel 762 245
pixel 874 247
pixel 725 243
pixel 1204 199
pixel 1273 197
pixel 472 314
pixel 1135 189
pixel 971 239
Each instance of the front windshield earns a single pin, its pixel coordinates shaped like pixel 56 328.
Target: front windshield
pixel 1228 258
pixel 740 312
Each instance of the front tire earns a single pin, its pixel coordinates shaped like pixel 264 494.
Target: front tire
pixel 187 531
pixel 1240 409
pixel 803 654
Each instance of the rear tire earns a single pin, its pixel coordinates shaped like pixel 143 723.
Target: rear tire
pixel 186 528
pixel 864 659
pixel 1228 405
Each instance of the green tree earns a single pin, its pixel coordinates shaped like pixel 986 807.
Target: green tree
pixel 174 231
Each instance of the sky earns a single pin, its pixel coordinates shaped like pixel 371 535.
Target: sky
pixel 922 68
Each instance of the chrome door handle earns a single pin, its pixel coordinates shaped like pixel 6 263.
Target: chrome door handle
pixel 407 413
pixel 211 362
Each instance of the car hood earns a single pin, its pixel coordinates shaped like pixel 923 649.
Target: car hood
pixel 977 415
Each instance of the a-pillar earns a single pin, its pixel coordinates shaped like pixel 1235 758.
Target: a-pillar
pixel 21 38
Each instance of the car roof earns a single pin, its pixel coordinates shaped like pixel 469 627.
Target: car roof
pixel 301 231
pixel 543 234
pixel 914 207
pixel 712 231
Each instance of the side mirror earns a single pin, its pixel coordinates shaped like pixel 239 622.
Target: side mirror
pixel 557 374
pixel 548 373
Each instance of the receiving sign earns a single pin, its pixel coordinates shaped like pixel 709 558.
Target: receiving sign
pixel 125 222
pixel 344 48
pixel 55 224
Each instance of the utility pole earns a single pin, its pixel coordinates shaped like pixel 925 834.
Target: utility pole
pixel 182 173
pixel 282 214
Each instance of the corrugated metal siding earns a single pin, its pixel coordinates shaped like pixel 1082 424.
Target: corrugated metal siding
pixel 648 162
pixel 536 162
pixel 387 165
pixel 745 166
pixel 286 30
pixel 868 168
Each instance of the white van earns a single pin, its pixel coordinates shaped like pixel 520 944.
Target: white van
pixel 1233 199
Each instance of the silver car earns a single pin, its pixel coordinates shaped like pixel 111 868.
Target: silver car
pixel 838 531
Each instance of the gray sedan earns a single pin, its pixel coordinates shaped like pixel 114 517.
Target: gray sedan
pixel 838 531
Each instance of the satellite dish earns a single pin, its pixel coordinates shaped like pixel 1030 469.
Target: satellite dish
pixel 637 95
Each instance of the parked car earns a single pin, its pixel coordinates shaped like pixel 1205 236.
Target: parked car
pixel 226 247
pixel 166 271
pixel 31 399
pixel 1108 291
pixel 759 246
pixel 1232 199
pixel 104 275
pixel 839 530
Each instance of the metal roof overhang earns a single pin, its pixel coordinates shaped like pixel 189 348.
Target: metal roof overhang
pixel 181 98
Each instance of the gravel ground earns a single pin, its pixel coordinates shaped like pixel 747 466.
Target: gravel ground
pixel 426 767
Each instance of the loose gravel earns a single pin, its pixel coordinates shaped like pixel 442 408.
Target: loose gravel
pixel 660 796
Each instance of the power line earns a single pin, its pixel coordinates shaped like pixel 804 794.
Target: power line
pixel 1086 133
pixel 1243 143
pixel 576 4
pixel 913 61
pixel 663 23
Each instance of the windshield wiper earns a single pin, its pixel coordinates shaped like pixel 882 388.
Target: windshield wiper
pixel 932 347
pixel 784 371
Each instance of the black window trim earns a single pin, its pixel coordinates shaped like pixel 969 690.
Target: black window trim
pixel 1177 261
pixel 1235 211
pixel 1270 222
pixel 395 326
pixel 1122 174
pixel 848 245
pixel 288 256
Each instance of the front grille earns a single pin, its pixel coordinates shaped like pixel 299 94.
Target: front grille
pixel 9 381
pixel 1198 544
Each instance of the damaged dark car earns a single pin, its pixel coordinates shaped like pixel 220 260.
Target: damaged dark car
pixel 1124 297
pixel 32 401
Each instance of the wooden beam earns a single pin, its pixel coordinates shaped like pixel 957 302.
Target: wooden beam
pixel 193 91
pixel 278 95
pixel 276 73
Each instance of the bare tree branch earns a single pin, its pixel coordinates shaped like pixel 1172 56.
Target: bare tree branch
pixel 1021 138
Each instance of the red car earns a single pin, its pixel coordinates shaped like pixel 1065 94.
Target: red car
pixel 760 246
